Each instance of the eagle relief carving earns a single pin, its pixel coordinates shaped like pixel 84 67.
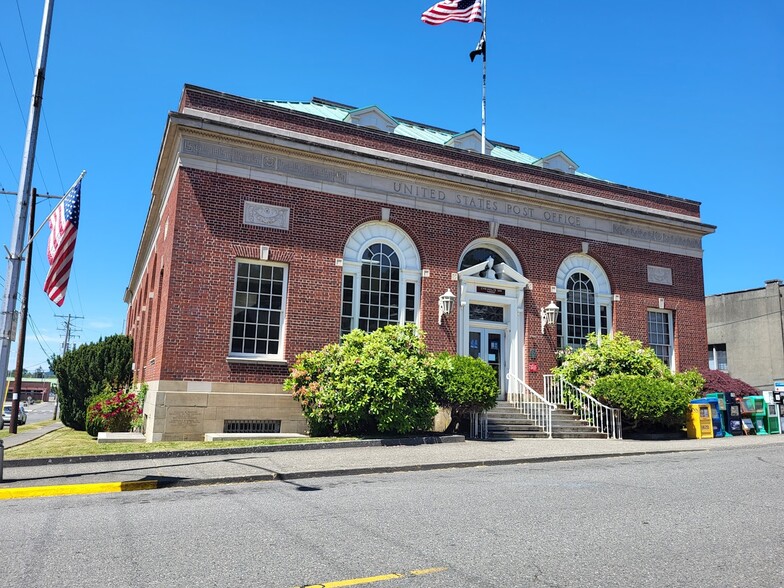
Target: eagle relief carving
pixel 266 215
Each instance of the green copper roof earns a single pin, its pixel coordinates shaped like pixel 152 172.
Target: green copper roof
pixel 340 112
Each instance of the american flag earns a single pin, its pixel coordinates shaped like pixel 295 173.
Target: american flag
pixel 62 240
pixel 459 10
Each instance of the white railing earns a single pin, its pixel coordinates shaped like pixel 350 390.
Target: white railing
pixel 531 404
pixel 606 419
pixel 479 425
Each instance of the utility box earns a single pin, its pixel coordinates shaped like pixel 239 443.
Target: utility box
pixel 734 421
pixel 772 423
pixel 753 409
pixel 778 398
pixel 699 421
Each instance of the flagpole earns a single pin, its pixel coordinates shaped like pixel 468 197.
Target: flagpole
pixel 8 306
pixel 484 73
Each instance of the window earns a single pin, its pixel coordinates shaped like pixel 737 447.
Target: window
pixel 584 301
pixel 259 309
pixel 379 290
pixel 580 309
pixel 660 335
pixel 381 274
pixel 717 357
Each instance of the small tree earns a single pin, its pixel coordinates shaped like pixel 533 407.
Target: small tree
pixel 615 355
pixel 379 382
pixel 623 373
pixel 85 371
pixel 465 385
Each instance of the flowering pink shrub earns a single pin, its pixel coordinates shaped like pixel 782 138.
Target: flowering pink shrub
pixel 113 411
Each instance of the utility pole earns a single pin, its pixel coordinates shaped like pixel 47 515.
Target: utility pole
pixel 8 307
pixel 68 329
pixel 20 348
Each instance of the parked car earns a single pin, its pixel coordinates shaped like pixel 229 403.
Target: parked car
pixel 21 418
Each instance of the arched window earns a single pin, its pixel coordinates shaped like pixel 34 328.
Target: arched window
pixel 379 289
pixel 580 309
pixel 585 301
pixel 381 274
pixel 478 251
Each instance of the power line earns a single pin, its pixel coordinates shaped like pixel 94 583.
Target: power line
pixel 13 87
pixel 34 328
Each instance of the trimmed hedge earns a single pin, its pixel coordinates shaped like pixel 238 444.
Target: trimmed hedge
pixel 465 385
pixel 647 404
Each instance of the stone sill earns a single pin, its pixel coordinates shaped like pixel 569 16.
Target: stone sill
pixel 259 360
pixel 121 438
pixel 234 436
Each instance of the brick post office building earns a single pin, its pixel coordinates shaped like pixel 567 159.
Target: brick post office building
pixel 274 227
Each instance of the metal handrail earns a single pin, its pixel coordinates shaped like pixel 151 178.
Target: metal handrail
pixel 605 419
pixel 531 404
pixel 479 425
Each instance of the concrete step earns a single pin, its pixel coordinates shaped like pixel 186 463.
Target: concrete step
pixel 504 421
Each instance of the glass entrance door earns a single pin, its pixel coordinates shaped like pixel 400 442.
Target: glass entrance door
pixel 488 345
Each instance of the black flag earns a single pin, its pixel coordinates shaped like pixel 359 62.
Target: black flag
pixel 480 48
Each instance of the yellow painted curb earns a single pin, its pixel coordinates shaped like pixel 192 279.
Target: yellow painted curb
pixel 66 490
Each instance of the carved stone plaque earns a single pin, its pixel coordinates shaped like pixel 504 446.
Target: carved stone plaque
pixel 266 216
pixel 659 275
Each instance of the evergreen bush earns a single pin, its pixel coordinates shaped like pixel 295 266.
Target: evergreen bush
pixel 618 354
pixel 87 371
pixel 465 385
pixel 648 404
pixel 379 382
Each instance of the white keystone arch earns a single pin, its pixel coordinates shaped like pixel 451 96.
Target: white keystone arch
pixel 382 232
pixel 579 262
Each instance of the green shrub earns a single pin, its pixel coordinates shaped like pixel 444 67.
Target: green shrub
pixel 465 385
pixel 379 382
pixel 615 355
pixel 112 411
pixel 648 404
pixel 87 371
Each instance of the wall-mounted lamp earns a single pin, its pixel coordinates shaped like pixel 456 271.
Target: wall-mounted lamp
pixel 549 314
pixel 446 302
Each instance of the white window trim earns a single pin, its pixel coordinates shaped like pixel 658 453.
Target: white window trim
pixel 277 358
pixel 670 326
pixel 501 248
pixel 714 357
pixel 408 257
pixel 585 264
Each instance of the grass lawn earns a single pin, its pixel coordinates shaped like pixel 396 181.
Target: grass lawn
pixel 67 442
pixel 5 431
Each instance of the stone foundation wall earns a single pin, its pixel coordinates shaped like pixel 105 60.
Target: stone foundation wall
pixel 185 411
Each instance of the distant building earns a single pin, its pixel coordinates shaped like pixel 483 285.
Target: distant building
pixel 746 334
pixel 38 389
pixel 274 227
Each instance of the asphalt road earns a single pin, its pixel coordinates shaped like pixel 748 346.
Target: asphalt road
pixel 688 519
pixel 40 411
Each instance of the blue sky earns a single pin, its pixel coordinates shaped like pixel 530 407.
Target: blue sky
pixel 683 98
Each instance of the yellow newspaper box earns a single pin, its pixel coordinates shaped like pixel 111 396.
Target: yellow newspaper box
pixel 699 422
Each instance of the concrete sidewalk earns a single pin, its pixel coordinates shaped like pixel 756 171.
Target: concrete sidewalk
pixel 24 478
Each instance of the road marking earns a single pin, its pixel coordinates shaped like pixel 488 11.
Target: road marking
pixel 372 579
pixel 69 489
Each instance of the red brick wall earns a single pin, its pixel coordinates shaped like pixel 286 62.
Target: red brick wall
pixel 206 235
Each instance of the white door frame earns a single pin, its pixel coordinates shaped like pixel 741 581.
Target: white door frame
pixel 495 285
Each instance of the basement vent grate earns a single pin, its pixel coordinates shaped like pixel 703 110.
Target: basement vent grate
pixel 251 426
